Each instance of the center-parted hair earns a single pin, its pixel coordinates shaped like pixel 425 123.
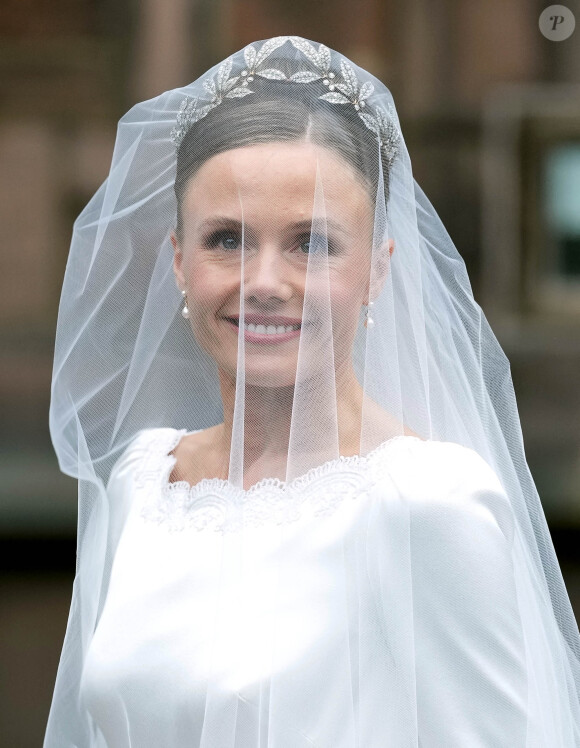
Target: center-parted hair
pixel 280 111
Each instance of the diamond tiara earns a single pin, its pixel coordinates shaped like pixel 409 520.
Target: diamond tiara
pixel 343 86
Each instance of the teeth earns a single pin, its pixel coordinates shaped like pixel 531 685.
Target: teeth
pixel 270 329
pixel 267 329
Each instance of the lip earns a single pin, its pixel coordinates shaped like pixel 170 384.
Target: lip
pixel 264 339
pixel 262 319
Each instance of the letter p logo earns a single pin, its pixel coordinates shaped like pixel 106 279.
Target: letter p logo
pixel 557 23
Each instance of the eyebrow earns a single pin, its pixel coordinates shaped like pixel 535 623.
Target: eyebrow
pixel 317 224
pixel 218 221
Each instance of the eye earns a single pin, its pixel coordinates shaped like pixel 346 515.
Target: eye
pixel 229 240
pixel 315 244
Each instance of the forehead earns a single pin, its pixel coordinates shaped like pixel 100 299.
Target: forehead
pixel 281 177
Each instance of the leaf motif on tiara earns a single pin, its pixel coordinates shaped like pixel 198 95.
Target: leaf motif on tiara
pixel 324 57
pixel 250 56
pixel 387 124
pixel 223 73
pixel 305 76
pixel 365 91
pixel 342 88
pixel 209 86
pixel 370 122
pixel 272 74
pixel 187 114
pixel 350 85
pixel 306 48
pixel 320 59
pixel 238 93
pixel 202 111
pixel 268 47
pixel 335 98
pixel 389 133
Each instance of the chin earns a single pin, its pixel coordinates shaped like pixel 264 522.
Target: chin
pixel 270 374
pixel 261 371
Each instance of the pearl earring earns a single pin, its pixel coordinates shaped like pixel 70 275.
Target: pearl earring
pixel 369 321
pixel 185 310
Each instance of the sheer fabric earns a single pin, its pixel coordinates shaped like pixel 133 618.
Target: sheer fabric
pixel 322 592
pixel 322 530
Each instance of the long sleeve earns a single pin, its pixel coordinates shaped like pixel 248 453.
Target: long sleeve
pixel 470 650
pixel 440 558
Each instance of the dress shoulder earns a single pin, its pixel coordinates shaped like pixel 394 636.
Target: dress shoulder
pixel 146 447
pixel 143 456
pixel 467 624
pixel 446 479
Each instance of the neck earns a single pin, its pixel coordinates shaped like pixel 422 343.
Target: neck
pixel 268 417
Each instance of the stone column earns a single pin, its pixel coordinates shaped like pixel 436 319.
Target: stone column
pixel 164 47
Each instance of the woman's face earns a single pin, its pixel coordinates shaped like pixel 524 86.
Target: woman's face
pixel 264 197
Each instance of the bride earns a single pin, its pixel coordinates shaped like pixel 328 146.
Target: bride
pixel 305 514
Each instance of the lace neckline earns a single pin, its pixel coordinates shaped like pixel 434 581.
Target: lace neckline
pixel 287 487
pixel 216 504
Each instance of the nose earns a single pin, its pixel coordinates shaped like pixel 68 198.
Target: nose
pixel 266 274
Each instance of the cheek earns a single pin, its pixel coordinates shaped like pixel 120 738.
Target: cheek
pixel 345 298
pixel 353 274
pixel 345 306
pixel 204 279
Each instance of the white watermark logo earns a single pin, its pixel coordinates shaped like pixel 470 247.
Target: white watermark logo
pixel 557 22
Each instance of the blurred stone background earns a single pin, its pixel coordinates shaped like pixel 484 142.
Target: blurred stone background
pixel 490 110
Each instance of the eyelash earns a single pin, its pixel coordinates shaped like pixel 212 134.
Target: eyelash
pixel 332 249
pixel 214 240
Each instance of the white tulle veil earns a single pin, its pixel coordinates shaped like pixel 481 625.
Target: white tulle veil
pixel 392 343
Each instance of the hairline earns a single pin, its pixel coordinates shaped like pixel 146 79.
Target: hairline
pixel 304 138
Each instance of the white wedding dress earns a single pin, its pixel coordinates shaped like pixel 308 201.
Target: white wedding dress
pixel 352 577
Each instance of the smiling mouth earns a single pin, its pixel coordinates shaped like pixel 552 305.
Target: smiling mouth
pixel 265 329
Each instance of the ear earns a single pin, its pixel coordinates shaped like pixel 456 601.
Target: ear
pixel 178 262
pixel 382 262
